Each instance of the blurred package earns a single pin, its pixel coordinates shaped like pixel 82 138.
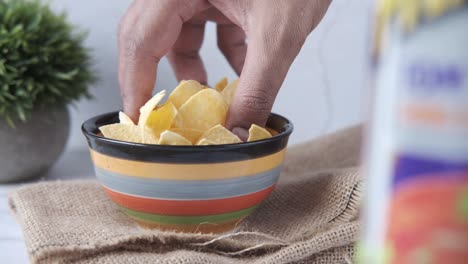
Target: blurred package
pixel 417 149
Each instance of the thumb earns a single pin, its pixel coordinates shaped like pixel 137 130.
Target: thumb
pixel 266 65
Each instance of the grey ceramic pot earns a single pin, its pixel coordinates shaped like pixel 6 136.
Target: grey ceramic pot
pixel 31 148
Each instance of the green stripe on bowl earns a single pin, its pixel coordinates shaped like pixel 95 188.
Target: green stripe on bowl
pixel 188 220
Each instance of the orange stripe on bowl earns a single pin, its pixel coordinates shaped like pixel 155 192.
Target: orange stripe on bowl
pixel 188 208
pixel 188 171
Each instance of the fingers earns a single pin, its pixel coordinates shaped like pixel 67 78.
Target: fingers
pixel 185 57
pixel 267 62
pixel 129 63
pixel 147 32
pixel 259 83
pixel 276 31
pixel 137 75
pixel 231 42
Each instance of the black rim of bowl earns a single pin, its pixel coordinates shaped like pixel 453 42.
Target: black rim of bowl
pixel 191 154
pixel 90 127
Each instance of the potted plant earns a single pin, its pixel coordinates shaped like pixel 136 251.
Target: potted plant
pixel 44 66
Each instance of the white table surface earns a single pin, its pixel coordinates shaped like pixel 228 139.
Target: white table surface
pixel 74 164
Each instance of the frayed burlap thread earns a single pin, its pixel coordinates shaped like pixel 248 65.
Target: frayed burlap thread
pixel 311 217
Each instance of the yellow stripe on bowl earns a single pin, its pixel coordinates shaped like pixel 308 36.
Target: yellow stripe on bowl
pixel 208 171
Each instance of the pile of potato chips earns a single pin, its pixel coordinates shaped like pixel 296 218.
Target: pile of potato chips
pixel 192 115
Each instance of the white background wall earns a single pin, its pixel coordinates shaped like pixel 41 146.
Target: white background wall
pixel 323 90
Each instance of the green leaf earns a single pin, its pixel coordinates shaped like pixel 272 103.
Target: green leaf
pixel 9 96
pixel 67 75
pixel 11 68
pixel 8 15
pixel 33 60
pixel 54 90
pixel 21 93
pixel 10 121
pixel 21 113
pixel 17 29
pixel 2 67
pixel 35 23
pixel 30 86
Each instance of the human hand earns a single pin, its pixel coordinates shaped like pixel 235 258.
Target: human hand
pixel 275 29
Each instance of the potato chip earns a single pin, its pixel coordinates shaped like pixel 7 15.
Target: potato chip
pixel 204 142
pixel 125 119
pixel 202 111
pixel 162 118
pixel 221 84
pixel 220 135
pixel 191 134
pixel 257 133
pixel 171 138
pixel 194 114
pixel 183 92
pixel 148 136
pixel 229 91
pixel 123 132
pixel 145 110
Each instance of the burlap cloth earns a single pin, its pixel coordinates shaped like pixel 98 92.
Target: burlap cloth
pixel 311 217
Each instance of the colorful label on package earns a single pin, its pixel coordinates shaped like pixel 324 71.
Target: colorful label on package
pixel 417 206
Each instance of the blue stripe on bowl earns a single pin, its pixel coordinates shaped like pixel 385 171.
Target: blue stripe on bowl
pixel 187 190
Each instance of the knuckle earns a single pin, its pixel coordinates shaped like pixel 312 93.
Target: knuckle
pixel 186 54
pixel 123 30
pixel 128 41
pixel 289 38
pixel 133 49
pixel 127 23
pixel 185 8
pixel 133 38
pixel 258 101
pixel 228 47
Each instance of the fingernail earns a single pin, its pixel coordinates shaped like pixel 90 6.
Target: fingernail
pixel 242 133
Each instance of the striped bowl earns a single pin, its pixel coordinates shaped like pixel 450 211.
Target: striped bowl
pixel 207 189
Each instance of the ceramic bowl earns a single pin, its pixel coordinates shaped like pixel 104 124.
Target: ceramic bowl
pixel 207 189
